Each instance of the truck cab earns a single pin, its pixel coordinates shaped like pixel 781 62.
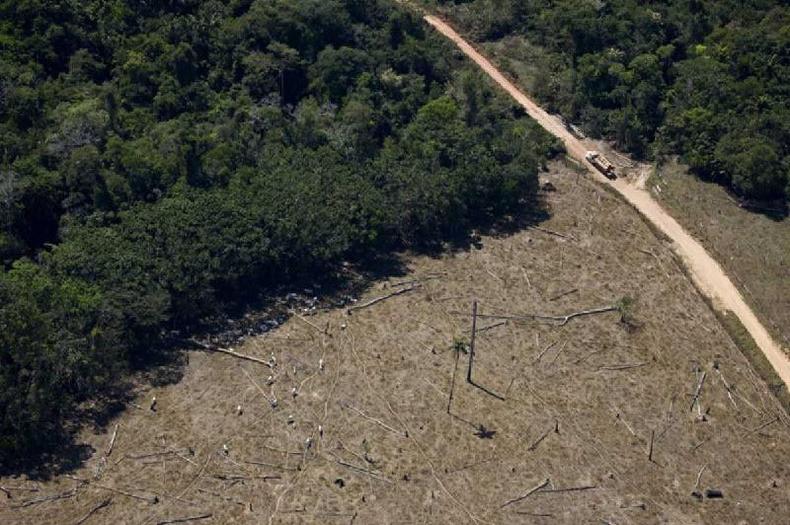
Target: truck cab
pixel 602 164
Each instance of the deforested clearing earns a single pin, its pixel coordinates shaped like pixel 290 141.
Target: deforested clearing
pixel 642 414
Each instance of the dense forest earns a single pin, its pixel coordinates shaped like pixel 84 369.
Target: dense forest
pixel 161 161
pixel 708 80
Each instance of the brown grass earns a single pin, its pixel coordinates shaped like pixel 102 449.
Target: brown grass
pixel 406 460
pixel 753 248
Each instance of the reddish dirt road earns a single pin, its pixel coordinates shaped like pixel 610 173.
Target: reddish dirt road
pixel 705 271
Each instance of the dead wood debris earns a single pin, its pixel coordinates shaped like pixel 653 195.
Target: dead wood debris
pixel 232 353
pixel 491 326
pixel 698 390
pixel 570 489
pixel 53 497
pixel 767 423
pixel 149 499
pixel 95 509
pixel 220 496
pixel 561 320
pixel 552 232
pixel 562 348
pixel 112 442
pixel 361 470
pixel 727 387
pixel 184 520
pixel 621 367
pixel 527 494
pixel 694 491
pixel 563 294
pixel 555 427
pixel 546 349
pixel 382 298
pixel 161 453
pixel 372 419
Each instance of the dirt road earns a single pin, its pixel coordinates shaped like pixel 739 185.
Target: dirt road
pixel 705 271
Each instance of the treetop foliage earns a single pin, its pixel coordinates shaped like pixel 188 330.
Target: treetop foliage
pixel 706 79
pixel 161 161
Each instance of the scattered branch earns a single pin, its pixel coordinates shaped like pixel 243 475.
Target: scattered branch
pixel 150 499
pixel 53 497
pixel 563 294
pixel 156 454
pixel 382 298
pixel 526 494
pixel 561 320
pixel 472 343
pixel 754 430
pixel 727 387
pixel 562 348
pixel 552 232
pixel 698 390
pixel 237 355
pixel 112 442
pixel 570 489
pixel 256 385
pixel 621 367
pixel 183 520
pixel 372 419
pixel 457 352
pixel 543 436
pixel 491 326
pixel 95 509
pixel 650 448
pixel 308 322
pixel 361 470
pixel 699 476
pixel 546 349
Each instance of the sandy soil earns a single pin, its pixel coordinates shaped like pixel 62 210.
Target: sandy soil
pixel 706 272
pixel 391 453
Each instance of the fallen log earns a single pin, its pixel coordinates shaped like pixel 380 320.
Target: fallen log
pixel 184 520
pixel 372 419
pixel 491 326
pixel 561 320
pixel 112 442
pixel 698 390
pixel 95 509
pixel 563 294
pixel 53 497
pixel 382 298
pixel 570 489
pixel 540 439
pixel 552 232
pixel 526 494
pixel 362 470
pixel 212 348
pixel 621 367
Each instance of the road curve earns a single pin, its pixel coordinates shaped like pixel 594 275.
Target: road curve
pixel 705 271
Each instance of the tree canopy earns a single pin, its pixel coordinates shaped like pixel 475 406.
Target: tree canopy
pixel 706 79
pixel 160 160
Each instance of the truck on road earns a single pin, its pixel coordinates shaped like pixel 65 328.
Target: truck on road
pixel 601 163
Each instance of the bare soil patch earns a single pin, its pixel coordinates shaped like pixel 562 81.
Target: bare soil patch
pixel 583 402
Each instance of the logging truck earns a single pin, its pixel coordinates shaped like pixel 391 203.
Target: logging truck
pixel 601 163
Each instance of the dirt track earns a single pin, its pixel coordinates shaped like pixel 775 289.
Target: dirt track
pixel 705 271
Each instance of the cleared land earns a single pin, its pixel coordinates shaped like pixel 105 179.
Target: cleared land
pixel 754 248
pixel 704 270
pixel 390 453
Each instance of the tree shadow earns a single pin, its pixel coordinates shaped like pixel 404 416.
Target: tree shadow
pixel 261 308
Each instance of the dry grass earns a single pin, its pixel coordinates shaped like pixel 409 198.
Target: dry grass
pixel 753 248
pixel 390 453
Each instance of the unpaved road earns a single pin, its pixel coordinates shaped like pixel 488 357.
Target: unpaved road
pixel 705 271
